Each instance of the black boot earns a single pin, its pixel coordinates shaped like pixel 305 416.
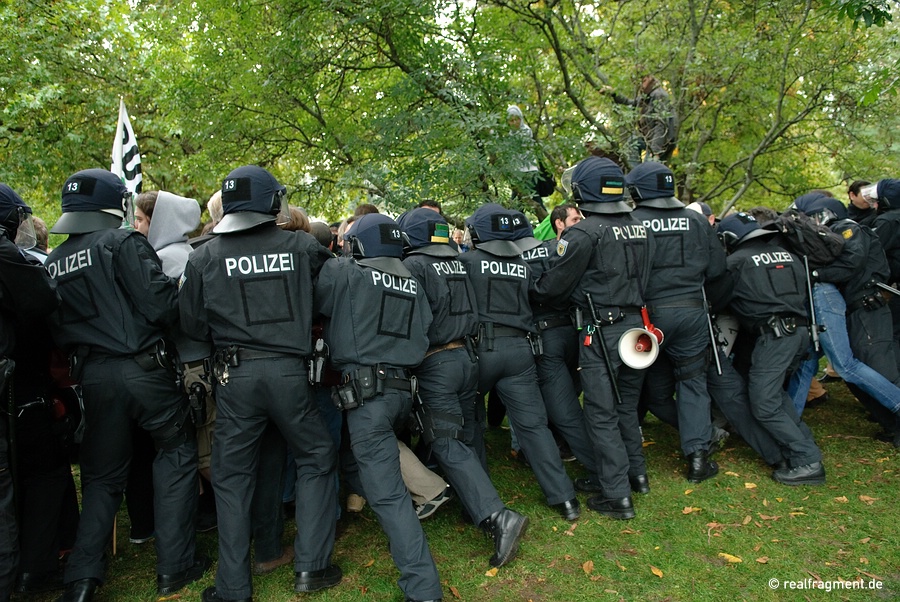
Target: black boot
pixel 507 528
pixel 79 591
pixel 700 467
pixel 639 483
pixel 620 509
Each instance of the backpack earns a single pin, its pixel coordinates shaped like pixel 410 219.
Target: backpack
pixel 805 237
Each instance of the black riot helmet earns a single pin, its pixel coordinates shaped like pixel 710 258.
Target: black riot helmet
pixel 739 228
pixel 652 184
pixel 376 241
pixel 427 233
pixel 15 218
pixel 251 196
pixel 827 209
pixel 92 200
pixel 495 229
pixel 598 186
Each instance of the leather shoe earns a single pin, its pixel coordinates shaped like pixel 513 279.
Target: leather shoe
pixel 169 584
pixel 808 474
pixel 639 483
pixel 211 595
pixel 261 568
pixel 570 510
pixel 79 591
pixel 781 465
pixel 507 528
pixel 700 467
pixel 587 485
pixel 312 581
pixel 621 509
pixel 35 583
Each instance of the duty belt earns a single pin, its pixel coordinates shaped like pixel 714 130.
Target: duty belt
pixel 149 359
pixel 781 325
pixel 508 331
pixel 613 314
pixel 446 346
pixel 868 302
pixel 243 353
pixel 553 322
pixel 673 303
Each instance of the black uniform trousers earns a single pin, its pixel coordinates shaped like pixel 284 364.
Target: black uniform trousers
pixel 44 474
pixel 260 390
pixel 871 341
pixel 267 508
pixel 613 427
pixel 373 439
pixel 772 360
pixel 448 382
pixel 557 375
pixel 685 343
pixel 9 538
pixel 116 392
pixel 728 392
pixel 509 368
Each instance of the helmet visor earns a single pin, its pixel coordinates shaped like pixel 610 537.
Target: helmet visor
pixel 25 236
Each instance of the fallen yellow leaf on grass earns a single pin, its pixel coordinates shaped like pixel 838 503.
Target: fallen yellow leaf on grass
pixel 588 567
pixel 766 502
pixel 843 499
pixel 172 597
pixel 690 509
pixel 492 572
pixel 571 530
pixel 865 540
pixel 620 565
pixel 369 563
pixel 646 443
pixel 732 474
pixel 729 557
pixel 455 592
pixel 863 560
pixel 747 520
pixel 656 571
pixel 868 500
pixel 749 485
pixel 688 491
pixel 763 560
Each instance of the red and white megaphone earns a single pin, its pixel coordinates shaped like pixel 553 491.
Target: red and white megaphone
pixel 639 347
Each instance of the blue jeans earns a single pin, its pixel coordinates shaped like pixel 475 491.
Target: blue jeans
pixel 830 312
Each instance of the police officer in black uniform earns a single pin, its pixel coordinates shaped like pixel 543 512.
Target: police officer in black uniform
pixel 769 297
pixel 116 302
pixel 686 254
pixel 861 266
pixel 500 279
pixel 27 296
pixel 557 364
pixel 248 291
pixel 602 265
pixel 448 377
pixel 377 330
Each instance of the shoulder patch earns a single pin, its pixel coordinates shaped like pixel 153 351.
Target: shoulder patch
pixel 847 234
pixel 561 247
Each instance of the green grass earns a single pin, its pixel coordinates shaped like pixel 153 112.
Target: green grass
pixel 844 530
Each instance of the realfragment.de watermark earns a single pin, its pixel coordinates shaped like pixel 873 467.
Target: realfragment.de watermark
pixel 828 586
